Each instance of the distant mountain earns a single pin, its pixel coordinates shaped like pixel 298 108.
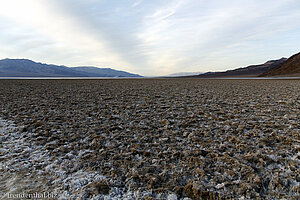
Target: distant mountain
pixel 291 67
pixel 104 72
pixel 24 67
pixel 250 71
pixel 29 68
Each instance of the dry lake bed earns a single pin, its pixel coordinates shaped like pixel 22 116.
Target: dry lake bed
pixel 150 139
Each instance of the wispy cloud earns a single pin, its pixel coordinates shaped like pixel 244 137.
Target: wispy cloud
pixel 150 37
pixel 136 3
pixel 67 39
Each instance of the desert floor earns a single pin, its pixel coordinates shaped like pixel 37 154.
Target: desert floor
pixel 151 138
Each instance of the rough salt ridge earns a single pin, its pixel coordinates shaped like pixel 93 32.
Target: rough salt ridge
pixel 151 138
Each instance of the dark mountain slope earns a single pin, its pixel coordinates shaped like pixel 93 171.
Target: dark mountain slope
pixel 104 72
pixel 250 71
pixel 28 68
pixel 290 67
pixel 24 67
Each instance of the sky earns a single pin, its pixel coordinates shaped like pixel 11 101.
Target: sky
pixel 150 37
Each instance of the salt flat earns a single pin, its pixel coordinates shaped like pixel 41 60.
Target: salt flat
pixel 151 138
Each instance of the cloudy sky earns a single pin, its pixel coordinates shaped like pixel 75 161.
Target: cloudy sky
pixel 156 37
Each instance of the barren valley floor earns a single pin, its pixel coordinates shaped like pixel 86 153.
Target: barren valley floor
pixel 151 138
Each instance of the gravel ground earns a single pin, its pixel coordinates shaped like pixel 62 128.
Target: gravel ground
pixel 151 138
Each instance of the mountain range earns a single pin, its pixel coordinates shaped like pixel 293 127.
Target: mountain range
pixel 29 68
pixel 291 67
pixel 284 67
pixel 249 71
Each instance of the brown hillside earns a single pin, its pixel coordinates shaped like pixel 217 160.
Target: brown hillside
pixel 290 67
pixel 249 71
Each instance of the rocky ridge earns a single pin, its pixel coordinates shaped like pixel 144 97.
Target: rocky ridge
pixel 290 67
pixel 249 71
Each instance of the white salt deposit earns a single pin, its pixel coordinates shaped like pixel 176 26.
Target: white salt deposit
pixel 27 168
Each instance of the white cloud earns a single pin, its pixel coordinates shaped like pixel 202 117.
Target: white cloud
pixel 148 37
pixel 37 19
pixel 199 36
pixel 136 3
